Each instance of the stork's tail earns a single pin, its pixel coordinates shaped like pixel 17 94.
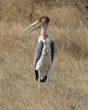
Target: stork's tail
pixel 41 80
pixel 44 79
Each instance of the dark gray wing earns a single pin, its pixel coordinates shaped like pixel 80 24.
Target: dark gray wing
pixel 38 52
pixel 52 45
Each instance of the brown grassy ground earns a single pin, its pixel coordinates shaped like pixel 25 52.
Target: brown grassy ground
pixel 69 73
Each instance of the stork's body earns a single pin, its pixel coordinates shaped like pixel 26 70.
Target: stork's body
pixel 43 56
pixel 44 52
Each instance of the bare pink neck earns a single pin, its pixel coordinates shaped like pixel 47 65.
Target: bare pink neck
pixel 43 31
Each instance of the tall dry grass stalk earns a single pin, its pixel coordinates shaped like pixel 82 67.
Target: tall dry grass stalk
pixel 69 73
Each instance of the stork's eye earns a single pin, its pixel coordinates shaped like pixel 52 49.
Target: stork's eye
pixel 47 19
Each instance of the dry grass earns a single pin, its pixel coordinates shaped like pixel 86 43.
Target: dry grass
pixel 69 73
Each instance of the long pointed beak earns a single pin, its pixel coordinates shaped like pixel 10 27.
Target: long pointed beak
pixel 31 25
pixel 37 26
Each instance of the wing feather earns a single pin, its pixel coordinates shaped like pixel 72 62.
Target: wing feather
pixel 52 50
pixel 38 52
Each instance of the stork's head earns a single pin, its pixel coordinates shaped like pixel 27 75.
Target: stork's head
pixel 44 20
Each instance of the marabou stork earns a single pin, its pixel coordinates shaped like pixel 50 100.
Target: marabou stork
pixel 44 51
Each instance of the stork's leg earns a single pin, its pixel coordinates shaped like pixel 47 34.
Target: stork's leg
pixel 48 79
pixel 38 79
